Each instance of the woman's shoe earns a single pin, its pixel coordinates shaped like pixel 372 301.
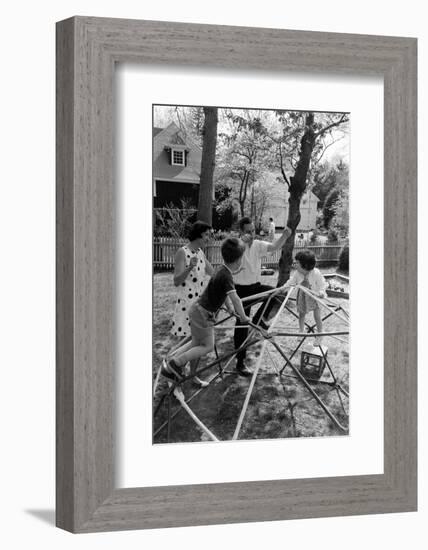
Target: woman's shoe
pixel 171 370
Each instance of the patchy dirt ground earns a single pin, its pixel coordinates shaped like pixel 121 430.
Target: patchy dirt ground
pixel 280 405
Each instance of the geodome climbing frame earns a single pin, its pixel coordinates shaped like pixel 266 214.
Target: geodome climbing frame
pixel 271 340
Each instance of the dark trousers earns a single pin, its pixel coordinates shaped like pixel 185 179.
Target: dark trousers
pixel 241 334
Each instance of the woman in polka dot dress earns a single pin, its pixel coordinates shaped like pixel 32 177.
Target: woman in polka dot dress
pixel 190 270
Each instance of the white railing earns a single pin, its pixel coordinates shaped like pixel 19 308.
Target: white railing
pixel 165 248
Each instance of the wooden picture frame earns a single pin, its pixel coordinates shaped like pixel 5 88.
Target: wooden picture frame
pixel 87 50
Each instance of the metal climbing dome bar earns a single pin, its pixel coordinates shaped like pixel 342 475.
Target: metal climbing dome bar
pixel 271 341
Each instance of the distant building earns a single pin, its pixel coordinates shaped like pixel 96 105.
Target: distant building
pixel 176 167
pixel 308 211
pixel 278 210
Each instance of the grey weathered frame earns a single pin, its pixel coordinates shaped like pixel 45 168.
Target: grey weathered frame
pixel 87 50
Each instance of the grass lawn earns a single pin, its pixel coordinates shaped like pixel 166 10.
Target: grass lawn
pixel 280 406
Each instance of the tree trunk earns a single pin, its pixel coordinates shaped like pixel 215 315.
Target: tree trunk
pixel 243 190
pixel 207 164
pixel 242 193
pixel 296 189
pixel 241 209
pixel 252 215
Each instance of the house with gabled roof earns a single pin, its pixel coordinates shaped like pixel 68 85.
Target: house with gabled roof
pixel 176 167
pixel 277 208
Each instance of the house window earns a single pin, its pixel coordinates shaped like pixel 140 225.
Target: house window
pixel 177 157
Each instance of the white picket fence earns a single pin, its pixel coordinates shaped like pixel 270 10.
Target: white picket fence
pixel 165 248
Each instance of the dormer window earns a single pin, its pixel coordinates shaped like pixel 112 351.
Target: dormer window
pixel 177 154
pixel 177 157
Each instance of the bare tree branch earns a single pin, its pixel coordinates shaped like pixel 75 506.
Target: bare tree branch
pixel 343 118
pixel 241 154
pixel 325 147
pixel 180 122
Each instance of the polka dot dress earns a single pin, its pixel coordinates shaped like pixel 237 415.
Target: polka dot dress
pixel 188 292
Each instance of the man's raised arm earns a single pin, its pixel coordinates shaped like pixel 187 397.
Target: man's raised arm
pixel 279 243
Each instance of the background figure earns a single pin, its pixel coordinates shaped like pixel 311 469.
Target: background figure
pixel 271 231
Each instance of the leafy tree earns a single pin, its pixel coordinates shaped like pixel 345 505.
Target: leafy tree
pixel 190 120
pixel 245 148
pixel 323 181
pixel 265 195
pixel 197 118
pixel 224 211
pixel 329 180
pixel 300 142
pixel 340 220
pixel 328 210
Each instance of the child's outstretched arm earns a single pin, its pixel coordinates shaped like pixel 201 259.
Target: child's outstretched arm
pixel 321 285
pixel 228 305
pixel 239 308
pixel 292 281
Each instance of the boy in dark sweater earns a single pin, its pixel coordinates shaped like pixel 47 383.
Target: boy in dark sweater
pixel 202 313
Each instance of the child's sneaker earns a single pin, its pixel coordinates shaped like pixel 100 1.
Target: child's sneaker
pixel 186 369
pixel 200 383
pixel 171 370
pixel 178 393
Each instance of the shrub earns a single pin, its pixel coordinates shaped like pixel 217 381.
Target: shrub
pixel 333 236
pixel 344 259
pixel 174 222
pixel 314 237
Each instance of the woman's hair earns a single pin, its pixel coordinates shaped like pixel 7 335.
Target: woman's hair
pixel 244 221
pixel 197 229
pixel 306 258
pixel 232 249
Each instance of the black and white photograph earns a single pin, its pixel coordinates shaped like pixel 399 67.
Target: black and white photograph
pixel 251 278
pixel 188 190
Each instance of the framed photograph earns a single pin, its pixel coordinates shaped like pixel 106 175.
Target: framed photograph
pixel 252 204
pixel 130 149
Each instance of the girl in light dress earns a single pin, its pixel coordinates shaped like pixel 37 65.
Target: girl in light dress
pixel 309 276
